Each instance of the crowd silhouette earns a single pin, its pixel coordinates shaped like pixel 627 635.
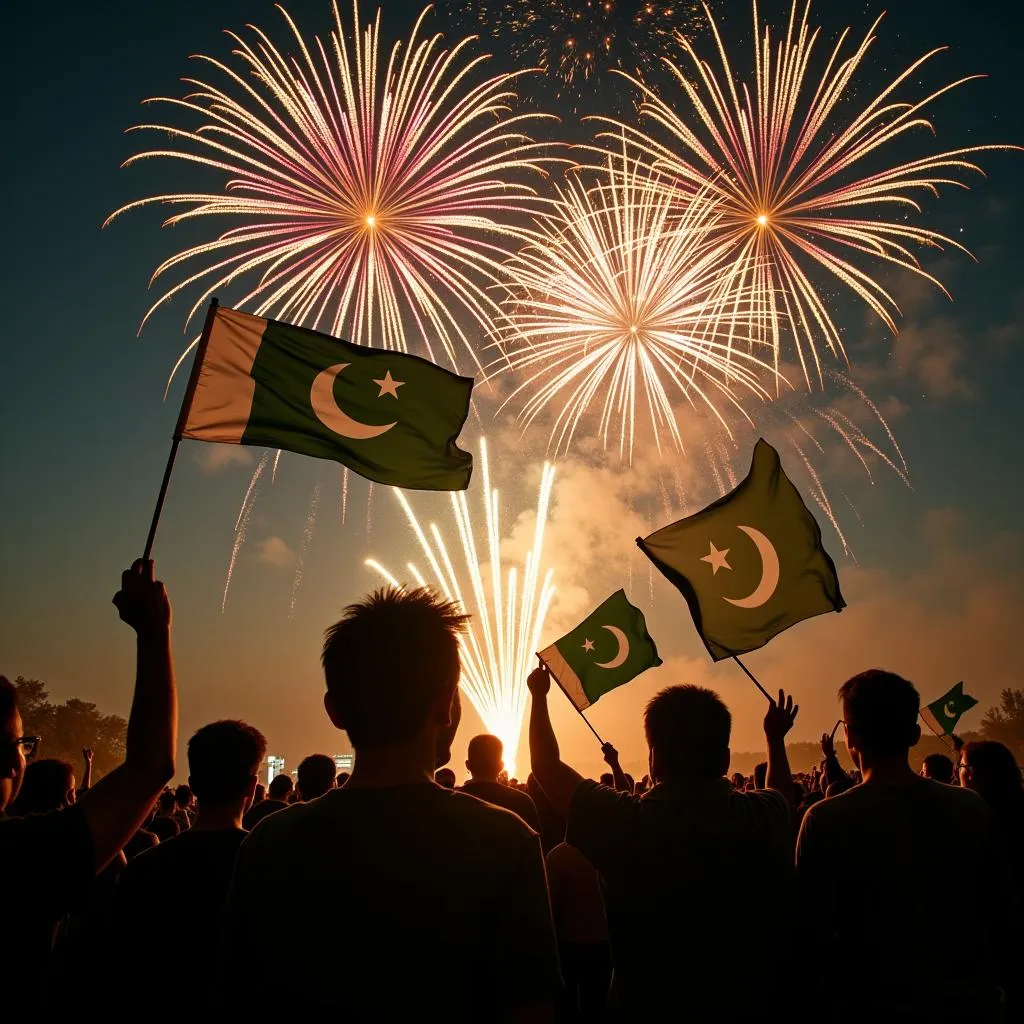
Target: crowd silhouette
pixel 885 894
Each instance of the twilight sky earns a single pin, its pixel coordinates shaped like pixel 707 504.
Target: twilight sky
pixel 933 580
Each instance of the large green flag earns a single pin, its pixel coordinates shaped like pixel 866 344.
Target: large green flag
pixel 750 565
pixel 390 417
pixel 609 647
pixel 942 715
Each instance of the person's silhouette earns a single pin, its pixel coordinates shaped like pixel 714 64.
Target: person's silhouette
pixel 485 763
pixel 881 867
pixel 687 866
pixel 368 879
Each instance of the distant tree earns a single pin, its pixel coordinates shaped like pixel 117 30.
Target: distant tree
pixel 1005 723
pixel 69 727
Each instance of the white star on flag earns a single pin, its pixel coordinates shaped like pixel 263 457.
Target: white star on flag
pixel 588 645
pixel 717 559
pixel 388 385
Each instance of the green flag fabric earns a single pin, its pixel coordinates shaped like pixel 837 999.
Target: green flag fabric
pixel 610 647
pixel 750 565
pixel 942 715
pixel 388 416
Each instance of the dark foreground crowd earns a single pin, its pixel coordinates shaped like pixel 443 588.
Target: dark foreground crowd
pixel 391 895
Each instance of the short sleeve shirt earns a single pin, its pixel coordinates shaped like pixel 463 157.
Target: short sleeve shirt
pixel 686 869
pixel 48 864
pixel 412 902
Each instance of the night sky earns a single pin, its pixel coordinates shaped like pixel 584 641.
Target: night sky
pixel 934 579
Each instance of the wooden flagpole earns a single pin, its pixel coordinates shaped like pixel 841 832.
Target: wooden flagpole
pixel 186 406
pixel 570 700
pixel 750 675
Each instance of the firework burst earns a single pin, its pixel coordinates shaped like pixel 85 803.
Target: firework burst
pixel 507 604
pixel 611 308
pixel 577 42
pixel 788 165
pixel 369 202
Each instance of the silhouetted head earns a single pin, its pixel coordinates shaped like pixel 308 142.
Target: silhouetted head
pixel 316 776
pixel 607 779
pixel 164 828
pixel 280 787
pixel 938 767
pixel 484 758
pixel 880 715
pixel 342 778
pixel 260 793
pixel 760 774
pixel 12 751
pixel 166 802
pixel 392 670
pixel 223 764
pixel 49 785
pixel 183 795
pixel 739 780
pixel 687 730
pixel 990 769
pixel 445 778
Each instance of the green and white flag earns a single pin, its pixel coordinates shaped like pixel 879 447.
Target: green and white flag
pixel 942 715
pixel 610 647
pixel 750 565
pixel 390 417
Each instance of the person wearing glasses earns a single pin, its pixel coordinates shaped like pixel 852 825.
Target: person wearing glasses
pixel 48 861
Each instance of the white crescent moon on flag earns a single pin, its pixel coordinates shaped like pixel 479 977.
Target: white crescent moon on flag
pixel 623 652
pixel 946 711
pixel 769 571
pixel 331 415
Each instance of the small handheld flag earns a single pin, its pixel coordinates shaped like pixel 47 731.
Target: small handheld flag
pixel 750 565
pixel 942 715
pixel 390 417
pixel 609 647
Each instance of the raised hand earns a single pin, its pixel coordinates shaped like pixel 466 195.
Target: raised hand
pixel 142 601
pixel 828 746
pixel 539 680
pixel 780 717
pixel 87 754
pixel 610 754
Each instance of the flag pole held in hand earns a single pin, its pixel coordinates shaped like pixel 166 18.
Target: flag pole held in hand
pixel 186 404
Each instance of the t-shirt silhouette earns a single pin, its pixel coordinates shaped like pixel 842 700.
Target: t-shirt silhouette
pixel 505 796
pixel 689 870
pixel 406 903
pixel 883 872
pixel 259 811
pixel 169 906
pixel 48 866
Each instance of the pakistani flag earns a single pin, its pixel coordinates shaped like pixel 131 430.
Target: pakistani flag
pixel 390 417
pixel 610 647
pixel 942 715
pixel 751 564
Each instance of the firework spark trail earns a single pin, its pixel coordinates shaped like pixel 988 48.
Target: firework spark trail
pixel 242 523
pixel 508 605
pixel 785 163
pixel 362 197
pixel 344 494
pixel 307 539
pixel 610 307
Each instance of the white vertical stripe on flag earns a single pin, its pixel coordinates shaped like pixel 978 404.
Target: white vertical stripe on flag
pixel 224 390
pixel 567 678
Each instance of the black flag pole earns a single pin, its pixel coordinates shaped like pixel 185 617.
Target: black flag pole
pixel 750 675
pixel 570 700
pixel 186 405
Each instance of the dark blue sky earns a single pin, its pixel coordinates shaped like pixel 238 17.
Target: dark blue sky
pixel 85 433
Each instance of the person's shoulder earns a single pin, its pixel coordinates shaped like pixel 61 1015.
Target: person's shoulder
pixel 957 799
pixel 482 816
pixel 769 798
